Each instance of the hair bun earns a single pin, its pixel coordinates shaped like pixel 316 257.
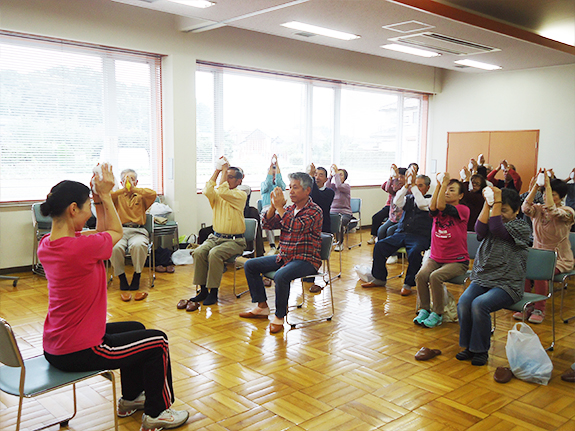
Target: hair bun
pixel 45 208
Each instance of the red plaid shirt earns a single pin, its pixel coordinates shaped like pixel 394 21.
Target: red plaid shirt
pixel 300 236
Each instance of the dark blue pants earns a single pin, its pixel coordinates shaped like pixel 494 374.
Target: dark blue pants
pixel 415 245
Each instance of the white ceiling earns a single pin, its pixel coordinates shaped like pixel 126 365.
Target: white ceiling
pixel 509 26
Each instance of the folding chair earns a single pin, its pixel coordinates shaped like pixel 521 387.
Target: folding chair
pixel 472 246
pixel 355 222
pixel 35 376
pixel 540 266
pixel 564 278
pixel 326 246
pixel 335 220
pixel 249 235
pixel 42 226
pixel 9 277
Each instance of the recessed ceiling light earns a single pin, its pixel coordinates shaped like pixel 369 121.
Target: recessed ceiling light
pixel 410 50
pixel 320 30
pixel 195 3
pixel 478 64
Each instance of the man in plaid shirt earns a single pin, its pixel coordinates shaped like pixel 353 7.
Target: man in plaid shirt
pixel 299 248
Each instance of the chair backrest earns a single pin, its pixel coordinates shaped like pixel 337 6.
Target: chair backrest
pixel 40 222
pixel 326 243
pixel 335 222
pixel 355 205
pixel 472 244
pixel 251 227
pixel 9 351
pixel 260 205
pixel 541 264
pixel 149 226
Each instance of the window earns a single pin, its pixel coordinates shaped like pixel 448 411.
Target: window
pixel 65 107
pixel 248 116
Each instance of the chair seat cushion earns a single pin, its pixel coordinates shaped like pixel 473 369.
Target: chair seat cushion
pixel 460 279
pixel 40 376
pixel 528 298
pixel 560 277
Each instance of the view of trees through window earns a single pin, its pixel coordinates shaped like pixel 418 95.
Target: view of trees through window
pixel 65 108
pixel 248 116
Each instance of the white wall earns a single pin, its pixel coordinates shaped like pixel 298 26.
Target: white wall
pixel 113 24
pixel 541 99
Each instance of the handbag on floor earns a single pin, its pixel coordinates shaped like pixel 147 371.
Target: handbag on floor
pixel 527 358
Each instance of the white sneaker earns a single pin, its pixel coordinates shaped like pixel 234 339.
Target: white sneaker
pixel 127 408
pixel 168 419
pixel 273 251
pixel 339 247
pixel 371 240
pixel 391 260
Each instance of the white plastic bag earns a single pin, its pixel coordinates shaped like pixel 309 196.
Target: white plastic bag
pixel 183 257
pixel 527 358
pixel 364 273
pixel 159 209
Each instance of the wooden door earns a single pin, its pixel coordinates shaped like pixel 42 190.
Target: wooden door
pixel 517 147
pixel 462 146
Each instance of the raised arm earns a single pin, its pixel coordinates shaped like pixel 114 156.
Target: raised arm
pixel 441 197
pixel 106 214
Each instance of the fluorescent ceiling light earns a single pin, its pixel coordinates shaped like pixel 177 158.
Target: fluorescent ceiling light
pixel 320 30
pixel 410 50
pixel 478 64
pixel 195 3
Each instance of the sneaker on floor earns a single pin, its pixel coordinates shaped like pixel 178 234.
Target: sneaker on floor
pixel 127 408
pixel 372 240
pixel 339 247
pixel 166 420
pixel 391 260
pixel 433 320
pixel 421 316
pixel 537 316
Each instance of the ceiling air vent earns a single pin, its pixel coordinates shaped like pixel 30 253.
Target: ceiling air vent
pixel 444 44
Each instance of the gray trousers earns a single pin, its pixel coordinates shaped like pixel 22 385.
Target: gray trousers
pixel 136 241
pixel 431 277
pixel 209 259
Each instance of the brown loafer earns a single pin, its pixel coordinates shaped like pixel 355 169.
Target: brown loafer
pixel 274 329
pixel 267 282
pixel 160 268
pixel 315 288
pixel 568 376
pixel 192 306
pixel 125 296
pixel 405 292
pixel 140 296
pixel 170 269
pixel 250 315
pixel 182 304
pixel 426 354
pixel 502 375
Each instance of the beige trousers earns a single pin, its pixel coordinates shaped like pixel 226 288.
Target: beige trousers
pixel 136 241
pixel 431 276
pixel 209 259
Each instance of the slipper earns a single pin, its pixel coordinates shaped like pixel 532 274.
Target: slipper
pixel 182 304
pixel 125 296
pixel 140 296
pixel 250 315
pixel 274 329
pixel 502 375
pixel 267 282
pixel 192 306
pixel 315 288
pixel 170 269
pixel 160 268
pixel 426 354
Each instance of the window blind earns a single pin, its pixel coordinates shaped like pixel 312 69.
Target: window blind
pixel 66 106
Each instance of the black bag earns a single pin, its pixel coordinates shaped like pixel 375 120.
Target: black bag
pixel 204 233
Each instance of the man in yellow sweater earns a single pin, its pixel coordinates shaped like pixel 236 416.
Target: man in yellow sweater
pixel 227 202
pixel 131 203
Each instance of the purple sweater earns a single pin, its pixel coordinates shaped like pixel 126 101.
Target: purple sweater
pixel 342 201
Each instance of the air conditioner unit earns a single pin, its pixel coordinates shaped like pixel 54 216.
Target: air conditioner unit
pixel 443 44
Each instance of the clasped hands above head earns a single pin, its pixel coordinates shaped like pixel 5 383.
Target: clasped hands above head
pixel 102 181
pixel 221 162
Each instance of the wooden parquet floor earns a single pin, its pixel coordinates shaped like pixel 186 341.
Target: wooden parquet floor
pixel 356 372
